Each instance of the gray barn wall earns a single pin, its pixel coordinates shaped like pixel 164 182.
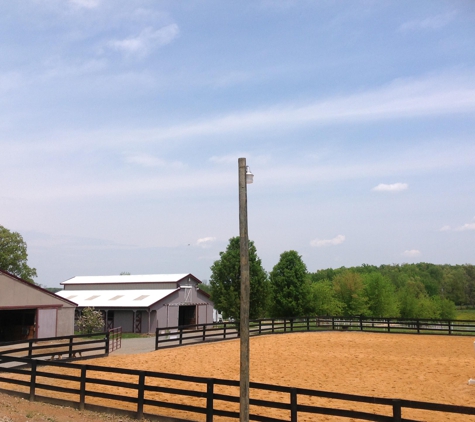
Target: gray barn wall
pixel 65 322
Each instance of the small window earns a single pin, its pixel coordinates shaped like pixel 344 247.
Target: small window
pixel 70 297
pixel 117 297
pixel 92 297
pixel 142 297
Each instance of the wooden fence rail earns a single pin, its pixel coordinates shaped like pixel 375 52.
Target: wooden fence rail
pixel 179 335
pixel 200 393
pixel 64 347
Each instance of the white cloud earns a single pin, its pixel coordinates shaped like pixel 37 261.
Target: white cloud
pixel 205 242
pixel 412 253
pixel 86 4
pixel 327 242
pixel 395 187
pixel 148 160
pixel 444 94
pixel 431 23
pixel 146 40
pixel 467 226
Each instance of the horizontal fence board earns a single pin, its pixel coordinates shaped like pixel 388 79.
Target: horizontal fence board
pixel 57 388
pixel 176 406
pixel 116 397
pixel 178 391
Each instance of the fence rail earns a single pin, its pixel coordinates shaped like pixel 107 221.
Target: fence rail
pixel 179 335
pixel 146 388
pixel 63 347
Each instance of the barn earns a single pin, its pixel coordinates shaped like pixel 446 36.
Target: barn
pixel 28 311
pixel 141 303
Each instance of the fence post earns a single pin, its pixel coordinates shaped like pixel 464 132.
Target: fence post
pixel 224 333
pixel 291 325
pixel 33 380
pixel 209 399
pixel 293 404
pixel 140 395
pixel 157 335
pixel 30 348
pixel 389 325
pixel 450 327
pixel 260 327
pixel 418 326
pixel 273 320
pixel 204 333
pixel 285 325
pixel 181 335
pixel 333 323
pixel 70 347
pixel 82 387
pixel 308 323
pixel 361 322
pixel 107 343
pixel 397 410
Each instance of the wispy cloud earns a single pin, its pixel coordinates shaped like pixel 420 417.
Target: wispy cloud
pixel 395 187
pixel 466 226
pixel 149 38
pixel 205 242
pixel 86 4
pixel 149 160
pixel 462 228
pixel 430 23
pixel 441 95
pixel 412 253
pixel 337 240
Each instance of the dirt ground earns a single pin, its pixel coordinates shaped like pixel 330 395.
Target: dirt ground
pixel 425 368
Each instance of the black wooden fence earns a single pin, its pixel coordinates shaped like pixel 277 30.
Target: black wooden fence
pixel 63 347
pixel 179 335
pixel 201 396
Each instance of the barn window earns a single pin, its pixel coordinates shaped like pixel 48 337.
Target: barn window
pixel 142 297
pixel 92 297
pixel 117 297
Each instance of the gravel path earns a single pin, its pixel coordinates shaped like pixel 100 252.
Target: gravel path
pixel 131 346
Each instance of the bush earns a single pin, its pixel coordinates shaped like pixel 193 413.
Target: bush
pixel 90 321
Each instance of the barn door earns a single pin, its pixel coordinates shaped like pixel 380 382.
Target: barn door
pixel 46 323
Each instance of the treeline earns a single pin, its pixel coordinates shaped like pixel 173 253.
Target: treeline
pixel 407 291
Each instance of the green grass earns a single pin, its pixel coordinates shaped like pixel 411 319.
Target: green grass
pixel 465 314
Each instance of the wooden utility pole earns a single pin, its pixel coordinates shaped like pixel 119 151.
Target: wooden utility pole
pixel 245 295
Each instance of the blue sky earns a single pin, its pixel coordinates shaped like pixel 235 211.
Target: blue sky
pixel 121 123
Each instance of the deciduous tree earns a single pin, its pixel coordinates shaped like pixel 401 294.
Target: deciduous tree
pixel 290 286
pixel 13 255
pixel 225 282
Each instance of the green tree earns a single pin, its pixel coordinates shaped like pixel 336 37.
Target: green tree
pixel 349 290
pixel 290 286
pixel 323 299
pixel 13 255
pixel 382 300
pixel 225 282
pixel 90 321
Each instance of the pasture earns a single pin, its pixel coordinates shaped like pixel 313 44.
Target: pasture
pixel 413 367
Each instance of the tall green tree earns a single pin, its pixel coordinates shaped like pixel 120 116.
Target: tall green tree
pixel 382 299
pixel 13 255
pixel 323 299
pixel 225 282
pixel 290 286
pixel 349 290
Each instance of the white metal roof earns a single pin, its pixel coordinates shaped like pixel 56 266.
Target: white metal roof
pixel 115 279
pixel 115 298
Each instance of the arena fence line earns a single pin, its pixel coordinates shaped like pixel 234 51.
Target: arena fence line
pixel 146 388
pixel 64 347
pixel 180 335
